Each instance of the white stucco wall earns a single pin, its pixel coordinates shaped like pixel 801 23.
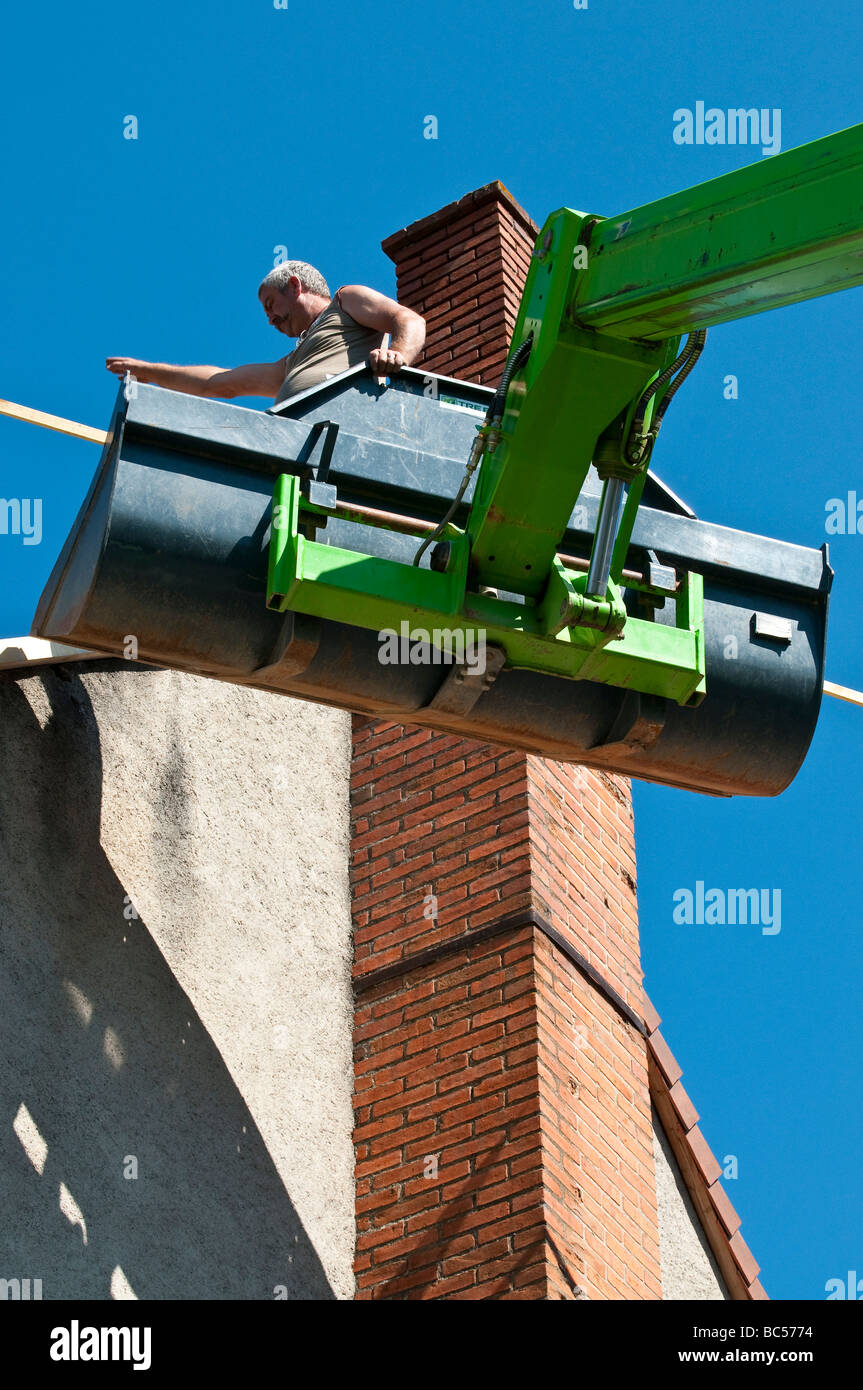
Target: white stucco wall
pixel 209 1037
pixel 689 1270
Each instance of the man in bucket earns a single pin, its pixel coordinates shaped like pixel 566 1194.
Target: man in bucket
pixel 333 333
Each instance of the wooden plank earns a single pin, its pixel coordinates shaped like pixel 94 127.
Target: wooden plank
pixel 52 422
pixel 842 692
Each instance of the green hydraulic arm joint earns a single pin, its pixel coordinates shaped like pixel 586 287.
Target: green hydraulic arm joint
pixel 606 301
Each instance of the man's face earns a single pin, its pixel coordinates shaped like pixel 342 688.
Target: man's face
pixel 280 306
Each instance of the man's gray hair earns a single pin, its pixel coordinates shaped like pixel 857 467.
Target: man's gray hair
pixel 310 279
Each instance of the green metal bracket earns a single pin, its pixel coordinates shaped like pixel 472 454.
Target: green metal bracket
pixel 354 588
pixel 566 633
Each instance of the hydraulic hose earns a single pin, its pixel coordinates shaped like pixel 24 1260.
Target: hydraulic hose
pixel 683 364
pixel 515 360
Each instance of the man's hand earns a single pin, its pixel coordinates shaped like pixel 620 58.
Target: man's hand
pixel 121 365
pixel 385 361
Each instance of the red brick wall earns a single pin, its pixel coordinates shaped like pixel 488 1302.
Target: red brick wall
pixel 502 1113
pixel 599 1180
pixel 449 1193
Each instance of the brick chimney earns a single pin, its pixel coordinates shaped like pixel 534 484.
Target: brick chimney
pixel 503 1122
pixel 464 269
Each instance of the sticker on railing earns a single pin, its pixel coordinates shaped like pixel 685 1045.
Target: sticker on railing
pixel 457 403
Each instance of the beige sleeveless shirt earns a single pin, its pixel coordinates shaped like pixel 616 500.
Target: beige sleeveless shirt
pixel 334 342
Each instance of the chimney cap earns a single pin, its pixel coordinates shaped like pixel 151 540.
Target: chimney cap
pixel 490 192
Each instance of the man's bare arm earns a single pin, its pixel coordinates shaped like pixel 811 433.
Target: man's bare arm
pixel 253 379
pixel 407 330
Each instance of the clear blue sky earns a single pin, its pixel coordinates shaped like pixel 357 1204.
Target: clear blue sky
pixel 304 126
